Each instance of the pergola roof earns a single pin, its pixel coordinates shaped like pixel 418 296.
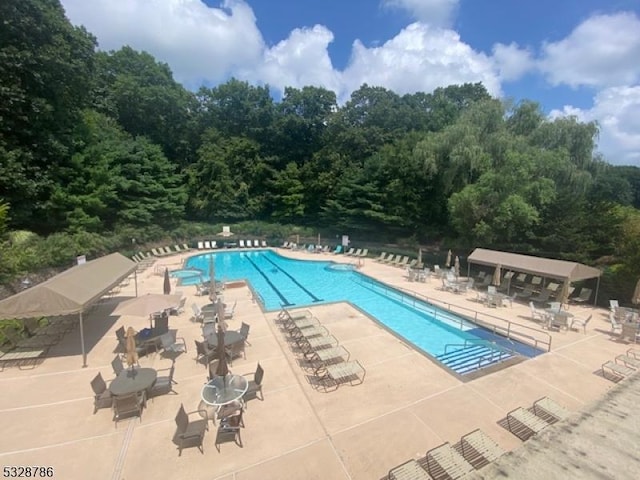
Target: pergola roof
pixel 545 267
pixel 70 291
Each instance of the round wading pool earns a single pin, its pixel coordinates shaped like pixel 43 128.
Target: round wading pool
pixel 187 274
pixel 341 267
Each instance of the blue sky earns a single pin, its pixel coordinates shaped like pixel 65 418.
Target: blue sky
pixel 574 57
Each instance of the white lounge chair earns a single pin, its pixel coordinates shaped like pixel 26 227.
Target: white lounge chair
pixel 200 245
pixel 207 245
pixel 241 243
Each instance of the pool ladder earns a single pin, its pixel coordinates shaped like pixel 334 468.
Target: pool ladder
pixel 495 356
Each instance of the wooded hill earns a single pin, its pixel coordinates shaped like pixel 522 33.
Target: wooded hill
pixel 97 145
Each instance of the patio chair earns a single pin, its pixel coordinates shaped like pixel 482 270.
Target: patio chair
pixel 583 296
pixel 129 405
pixel 524 424
pixel 229 311
pixel 581 323
pixel 235 350
pixel 444 459
pixel 408 470
pixel 161 324
pixel 617 371
pixel 549 410
pixel 190 433
pixel 117 365
pixel 616 327
pixel 180 308
pixel 244 332
pixel 208 329
pixel 614 305
pixel 171 343
pixel 198 316
pixel 255 385
pixel 479 449
pixel 213 369
pixel 203 352
pixel 101 395
pixel 164 384
pixel 229 431
pixel 202 290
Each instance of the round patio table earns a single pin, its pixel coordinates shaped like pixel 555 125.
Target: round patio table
pixel 133 381
pixel 224 390
pixel 231 337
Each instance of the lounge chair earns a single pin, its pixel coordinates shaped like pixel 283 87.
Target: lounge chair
pixel 364 252
pixel 479 449
pixel 618 371
pixel 338 250
pixel 536 282
pixel 392 259
pixel 351 372
pixel 583 296
pixel 241 243
pixel 350 252
pixel 249 244
pixel 524 424
pixel 101 395
pixel 200 245
pixel 198 316
pixel 445 458
pixel 581 322
pixel 542 297
pixel 190 433
pixel 631 332
pixel 410 470
pixel 614 305
pixel 381 258
pixel 207 245
pixel 357 253
pixel 628 360
pixel 129 405
pixel 327 356
pixel 549 410
pixel 186 247
pixel 403 262
pixel 263 244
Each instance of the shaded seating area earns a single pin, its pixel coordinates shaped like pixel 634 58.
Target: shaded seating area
pixel 557 272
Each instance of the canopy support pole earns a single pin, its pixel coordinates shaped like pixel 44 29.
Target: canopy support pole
pixel 84 354
pixel 595 299
pixel 135 280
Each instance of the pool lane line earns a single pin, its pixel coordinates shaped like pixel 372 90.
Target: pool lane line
pixel 285 302
pixel 315 299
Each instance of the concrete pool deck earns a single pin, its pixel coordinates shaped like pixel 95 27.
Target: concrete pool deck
pixel 406 405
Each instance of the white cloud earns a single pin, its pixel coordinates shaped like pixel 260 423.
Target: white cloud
pixel 616 111
pixel 198 42
pixel 432 12
pixel 512 61
pixel 419 58
pixel 302 59
pixel 602 51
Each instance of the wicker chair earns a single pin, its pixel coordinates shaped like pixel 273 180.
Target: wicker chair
pixel 102 396
pixel 190 433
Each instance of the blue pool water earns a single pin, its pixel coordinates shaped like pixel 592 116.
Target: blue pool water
pixel 284 282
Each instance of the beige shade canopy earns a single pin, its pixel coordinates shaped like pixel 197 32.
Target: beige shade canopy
pixel 71 291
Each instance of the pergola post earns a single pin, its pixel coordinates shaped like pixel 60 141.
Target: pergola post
pixel 84 354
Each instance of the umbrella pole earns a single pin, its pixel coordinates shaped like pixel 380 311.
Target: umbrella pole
pixel 84 354
pixel 135 280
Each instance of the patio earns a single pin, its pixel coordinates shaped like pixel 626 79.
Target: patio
pixel 406 405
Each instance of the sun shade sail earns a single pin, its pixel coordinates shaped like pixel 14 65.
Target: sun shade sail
pixel 544 267
pixel 70 291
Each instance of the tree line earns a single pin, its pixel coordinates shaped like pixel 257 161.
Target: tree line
pixel 96 144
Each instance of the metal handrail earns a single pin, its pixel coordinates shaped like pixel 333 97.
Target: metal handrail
pixel 507 331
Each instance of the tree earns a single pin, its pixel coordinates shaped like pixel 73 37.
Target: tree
pixel 45 71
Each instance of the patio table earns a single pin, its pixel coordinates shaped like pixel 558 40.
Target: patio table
pixel 231 337
pixel 133 381
pixel 224 390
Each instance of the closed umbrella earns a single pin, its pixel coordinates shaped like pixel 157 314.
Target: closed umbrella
pixel 220 311
pixel 212 279
pixel 636 294
pixel 419 265
pixel 564 293
pixel 223 368
pixel 456 266
pixel 167 282
pixel 496 276
pixel 448 262
pixel 130 347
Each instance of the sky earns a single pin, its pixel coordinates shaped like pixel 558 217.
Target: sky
pixel 573 57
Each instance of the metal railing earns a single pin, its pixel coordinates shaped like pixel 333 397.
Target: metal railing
pixel 491 345
pixel 503 327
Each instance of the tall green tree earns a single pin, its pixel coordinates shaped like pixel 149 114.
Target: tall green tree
pixel 46 66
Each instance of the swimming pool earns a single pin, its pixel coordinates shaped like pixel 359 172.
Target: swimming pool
pixel 284 282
